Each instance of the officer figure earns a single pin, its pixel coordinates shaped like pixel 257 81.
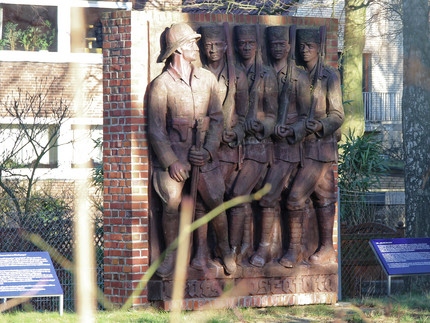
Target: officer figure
pixel 183 100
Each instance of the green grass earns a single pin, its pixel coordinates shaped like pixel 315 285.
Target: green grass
pixel 403 308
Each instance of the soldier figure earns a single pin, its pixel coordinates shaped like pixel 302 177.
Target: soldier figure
pixel 259 123
pixel 315 179
pixel 233 93
pixel 294 102
pixel 184 106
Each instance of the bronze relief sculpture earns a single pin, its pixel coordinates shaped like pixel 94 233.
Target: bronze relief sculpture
pixel 236 123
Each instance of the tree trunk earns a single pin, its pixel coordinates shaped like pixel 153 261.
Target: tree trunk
pixel 416 116
pixel 355 18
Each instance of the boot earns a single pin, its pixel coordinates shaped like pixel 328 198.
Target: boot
pixel 170 222
pixel 237 216
pixel 223 247
pixel 294 253
pixel 325 252
pixel 263 253
pixel 246 249
pixel 201 256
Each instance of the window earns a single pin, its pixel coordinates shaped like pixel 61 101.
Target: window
pixel 21 147
pixel 28 27
pixel 92 42
pixel 38 25
pixel 89 154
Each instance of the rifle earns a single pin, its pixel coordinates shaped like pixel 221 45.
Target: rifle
pixel 229 101
pixel 254 92
pixel 287 89
pixel 196 169
pixel 318 73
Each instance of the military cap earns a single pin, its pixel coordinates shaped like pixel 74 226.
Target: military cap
pixel 277 33
pixel 212 33
pixel 245 31
pixel 308 36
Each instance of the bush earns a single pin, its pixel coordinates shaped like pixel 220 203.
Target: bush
pixel 361 164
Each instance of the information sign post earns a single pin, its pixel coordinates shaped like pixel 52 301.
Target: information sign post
pixel 402 257
pixel 29 274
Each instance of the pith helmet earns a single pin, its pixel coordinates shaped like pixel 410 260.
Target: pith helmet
pixel 277 33
pixel 243 31
pixel 176 36
pixel 212 33
pixel 308 36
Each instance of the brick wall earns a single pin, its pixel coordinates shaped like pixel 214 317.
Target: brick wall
pixel 125 167
pixel 32 76
pixel 131 47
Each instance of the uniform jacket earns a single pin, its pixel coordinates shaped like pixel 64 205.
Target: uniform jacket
pixel 174 106
pixel 239 107
pixel 322 146
pixel 295 99
pixel 259 148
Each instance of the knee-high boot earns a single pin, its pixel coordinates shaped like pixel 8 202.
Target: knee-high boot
pixel 201 242
pixel 170 222
pixel 263 253
pixel 294 253
pixel 237 216
pixel 247 247
pixel 325 252
pixel 223 247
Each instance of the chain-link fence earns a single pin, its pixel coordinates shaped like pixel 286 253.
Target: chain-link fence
pixel 52 220
pixel 366 216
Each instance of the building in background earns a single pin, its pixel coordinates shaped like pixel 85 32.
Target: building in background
pixel 39 54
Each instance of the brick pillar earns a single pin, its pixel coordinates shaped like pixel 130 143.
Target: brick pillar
pixel 125 158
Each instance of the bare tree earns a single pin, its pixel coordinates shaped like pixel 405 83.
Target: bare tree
pixel 27 139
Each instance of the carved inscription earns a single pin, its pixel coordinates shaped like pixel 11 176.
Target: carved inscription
pixel 259 286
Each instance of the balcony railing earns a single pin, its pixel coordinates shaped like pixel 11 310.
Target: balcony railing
pixel 379 106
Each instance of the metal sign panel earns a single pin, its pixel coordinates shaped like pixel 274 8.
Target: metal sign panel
pixel 403 256
pixel 28 274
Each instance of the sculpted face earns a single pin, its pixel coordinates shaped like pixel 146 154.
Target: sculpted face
pixel 190 50
pixel 215 50
pixel 279 49
pixel 309 51
pixel 247 47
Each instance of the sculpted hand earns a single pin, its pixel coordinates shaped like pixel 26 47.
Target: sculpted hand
pixel 283 131
pixel 228 136
pixel 313 126
pixel 253 126
pixel 178 172
pixel 198 157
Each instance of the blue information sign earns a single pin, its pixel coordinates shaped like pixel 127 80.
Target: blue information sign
pixel 28 274
pixel 404 256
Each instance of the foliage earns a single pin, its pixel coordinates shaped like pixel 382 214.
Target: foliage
pixel 31 39
pixel 361 164
pixel 11 36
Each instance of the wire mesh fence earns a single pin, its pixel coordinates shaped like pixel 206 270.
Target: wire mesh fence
pixel 52 220
pixel 366 216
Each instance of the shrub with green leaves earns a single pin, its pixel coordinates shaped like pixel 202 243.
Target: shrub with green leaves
pixel 361 164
